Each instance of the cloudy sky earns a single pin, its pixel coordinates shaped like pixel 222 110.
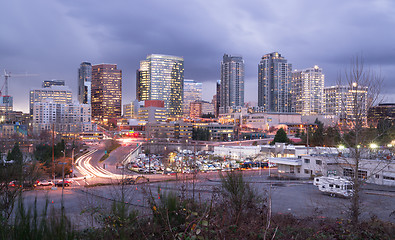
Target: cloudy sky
pixel 51 38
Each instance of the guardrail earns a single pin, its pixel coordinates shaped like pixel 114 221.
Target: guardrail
pixel 135 151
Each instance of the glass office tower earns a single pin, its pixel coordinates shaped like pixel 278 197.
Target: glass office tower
pixel 161 77
pixel 84 83
pixel 106 92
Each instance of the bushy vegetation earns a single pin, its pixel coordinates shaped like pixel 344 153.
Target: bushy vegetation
pixel 200 133
pixel 110 146
pixel 235 211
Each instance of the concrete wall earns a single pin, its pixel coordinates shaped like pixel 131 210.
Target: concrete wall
pixel 161 148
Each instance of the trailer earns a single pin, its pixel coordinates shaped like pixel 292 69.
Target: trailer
pixel 334 186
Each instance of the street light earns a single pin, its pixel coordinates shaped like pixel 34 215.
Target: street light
pixel 373 146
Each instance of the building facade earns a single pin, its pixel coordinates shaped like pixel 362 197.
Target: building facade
pixel 232 83
pixel 161 77
pixel 6 103
pixel 153 111
pixel 64 118
pixel 375 171
pixel 106 92
pixel 200 108
pixel 383 111
pixel 192 93
pixel 346 102
pixel 275 83
pixel 308 91
pixel 84 83
pixel 50 83
pixel 266 120
pixel 58 94
pixel 171 130
pixel 131 110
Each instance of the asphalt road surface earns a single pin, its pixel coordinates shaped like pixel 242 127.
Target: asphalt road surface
pixel 300 198
pixel 296 197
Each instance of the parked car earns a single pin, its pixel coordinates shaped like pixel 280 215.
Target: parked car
pixel 61 183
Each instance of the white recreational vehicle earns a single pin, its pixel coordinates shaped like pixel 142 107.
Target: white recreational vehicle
pixel 334 186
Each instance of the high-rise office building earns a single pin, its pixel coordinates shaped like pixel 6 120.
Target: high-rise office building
pixel 232 83
pixel 308 91
pixel 192 93
pixel 59 94
pixel 275 83
pixel 106 92
pixel 50 83
pixel 161 77
pixel 84 83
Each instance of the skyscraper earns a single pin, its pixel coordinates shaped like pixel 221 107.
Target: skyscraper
pixel 84 83
pixel 308 91
pixel 161 77
pixel 106 92
pixel 192 93
pixel 232 83
pixel 274 83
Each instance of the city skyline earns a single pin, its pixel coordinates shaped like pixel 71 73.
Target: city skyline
pixel 328 37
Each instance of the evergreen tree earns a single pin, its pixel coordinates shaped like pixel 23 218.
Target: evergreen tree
pixel 281 137
pixel 384 129
pixel 318 134
pixel 15 154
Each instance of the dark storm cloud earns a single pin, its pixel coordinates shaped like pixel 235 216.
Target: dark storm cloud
pixel 51 38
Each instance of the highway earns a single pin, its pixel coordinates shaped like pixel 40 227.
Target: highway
pixel 91 170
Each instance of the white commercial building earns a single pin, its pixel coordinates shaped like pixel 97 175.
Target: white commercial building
pixel 376 170
pixel 340 101
pixel 265 120
pixel 237 152
pixel 58 94
pixel 65 118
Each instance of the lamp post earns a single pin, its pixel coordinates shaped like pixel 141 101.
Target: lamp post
pixel 72 163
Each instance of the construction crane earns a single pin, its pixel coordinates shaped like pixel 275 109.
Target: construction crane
pixel 7 75
pixel 6 98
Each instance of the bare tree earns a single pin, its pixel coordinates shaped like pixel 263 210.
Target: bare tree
pixel 361 90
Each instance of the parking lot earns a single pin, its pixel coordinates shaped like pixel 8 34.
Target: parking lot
pixel 300 198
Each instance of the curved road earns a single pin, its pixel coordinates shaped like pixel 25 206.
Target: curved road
pixel 91 170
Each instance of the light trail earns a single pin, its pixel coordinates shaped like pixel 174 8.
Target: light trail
pixel 88 171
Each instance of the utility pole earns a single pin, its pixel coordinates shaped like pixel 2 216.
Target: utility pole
pixel 53 153
pixel 194 171
pixel 307 139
